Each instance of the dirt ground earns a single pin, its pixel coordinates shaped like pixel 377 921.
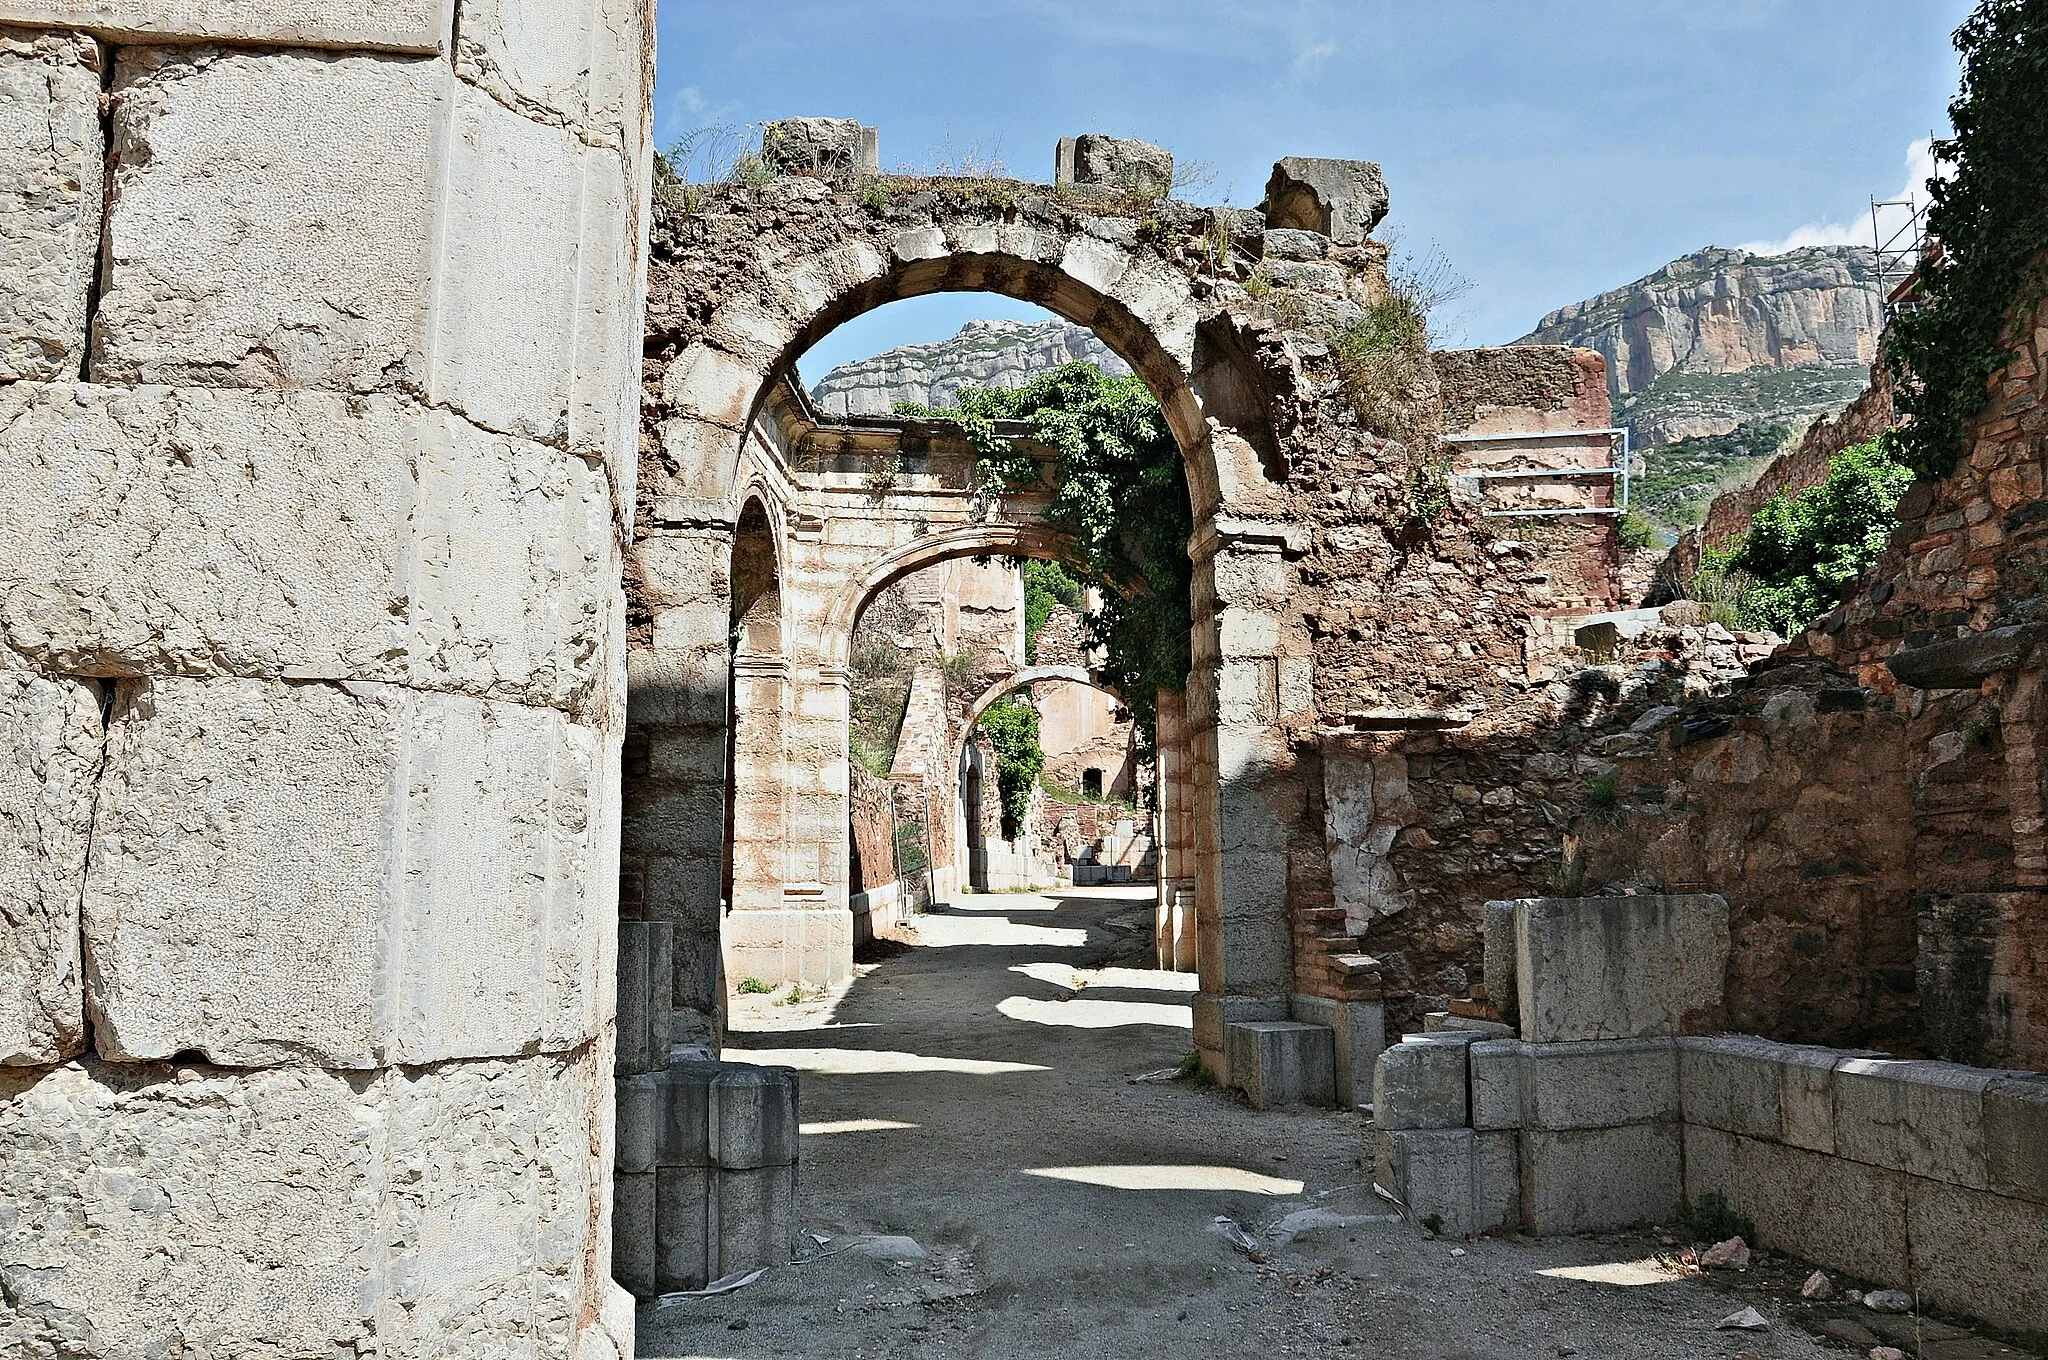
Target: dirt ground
pixel 973 1096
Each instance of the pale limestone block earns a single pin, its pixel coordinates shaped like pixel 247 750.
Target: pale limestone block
pixel 1496 1084
pixel 1733 1083
pixel 1599 1085
pixel 395 25
pixel 1420 1083
pixel 506 305
pixel 709 385
pixel 1979 1255
pixel 2016 1136
pixel 50 747
pixel 289 1211
pixel 1282 1062
pixel 568 62
pixel 1595 1180
pixel 918 243
pixel 604 410
pixel 52 186
pixel 1924 1118
pixel 299 535
pixel 1619 967
pixel 355 875
pixel 1095 265
pixel 270 219
pixel 1824 1209
pixel 234 1211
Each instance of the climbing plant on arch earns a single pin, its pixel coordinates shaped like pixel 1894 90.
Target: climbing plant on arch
pixel 1121 496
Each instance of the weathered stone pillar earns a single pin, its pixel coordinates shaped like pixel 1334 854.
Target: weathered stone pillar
pixel 804 934
pixel 1176 830
pixel 1242 799
pixel 311 671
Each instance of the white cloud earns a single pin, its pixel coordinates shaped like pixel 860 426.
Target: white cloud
pixel 1920 167
pixel 1310 60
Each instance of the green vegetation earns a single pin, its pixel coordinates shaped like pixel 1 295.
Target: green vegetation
pixel 1046 587
pixel 1384 362
pixel 879 697
pixel 1680 479
pixel 753 986
pixel 1601 791
pixel 1802 549
pixel 1636 532
pixel 1991 219
pixel 1012 728
pixel 1121 495
pixel 1064 792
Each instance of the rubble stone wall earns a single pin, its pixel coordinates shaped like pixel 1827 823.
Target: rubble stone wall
pixel 317 401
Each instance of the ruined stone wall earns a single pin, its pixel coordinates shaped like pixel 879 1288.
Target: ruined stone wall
pixel 1868 801
pixel 317 342
pixel 874 831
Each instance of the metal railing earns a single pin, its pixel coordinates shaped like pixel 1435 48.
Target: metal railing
pixel 1619 468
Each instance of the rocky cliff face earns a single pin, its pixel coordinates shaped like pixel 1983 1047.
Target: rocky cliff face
pixel 1726 311
pixel 1718 346
pixel 1002 354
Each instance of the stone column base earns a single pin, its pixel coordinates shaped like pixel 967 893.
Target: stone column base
pixel 812 946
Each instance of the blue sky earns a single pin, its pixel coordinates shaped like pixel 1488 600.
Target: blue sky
pixel 1549 149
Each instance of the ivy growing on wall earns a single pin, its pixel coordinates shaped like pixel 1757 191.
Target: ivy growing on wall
pixel 1011 726
pixel 1801 550
pixel 1121 494
pixel 1991 219
pixel 1046 587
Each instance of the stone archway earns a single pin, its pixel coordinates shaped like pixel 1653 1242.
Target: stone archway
pixel 753 279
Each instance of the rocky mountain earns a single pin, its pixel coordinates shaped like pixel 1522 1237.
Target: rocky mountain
pixel 1001 354
pixel 1722 337
pixel 1718 359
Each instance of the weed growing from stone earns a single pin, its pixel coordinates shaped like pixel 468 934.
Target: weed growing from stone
pixel 753 986
pixel 1710 1218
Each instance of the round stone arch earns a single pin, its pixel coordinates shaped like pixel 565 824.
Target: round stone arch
pixel 997 539
pixel 758 571
pixel 791 289
pixel 1010 684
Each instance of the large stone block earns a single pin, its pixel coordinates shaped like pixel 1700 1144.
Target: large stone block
pixel 300 535
pixel 1820 1208
pixel 1465 1182
pixel 269 224
pixel 403 26
pixel 1360 1030
pixel 1498 954
pixel 1495 1084
pixel 1599 1085
pixel 1344 200
pixel 827 148
pixel 737 1116
pixel 2016 1137
pixel 395 229
pixel 571 62
pixel 1420 1083
pixel 1619 967
pixel 52 187
pixel 50 749
pixel 1734 1084
pixel 1282 1062
pixel 646 990
pixel 290 1211
pixel 1117 164
pixel 1594 1180
pixel 1923 1118
pixel 353 876
pixel 1980 1255
pixel 711 1222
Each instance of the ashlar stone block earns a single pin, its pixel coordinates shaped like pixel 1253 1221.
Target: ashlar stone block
pixel 1619 967
pixel 828 148
pixel 52 187
pixel 1282 1062
pixel 1923 1118
pixel 352 875
pixel 1595 1180
pixel 449 1210
pixel 1344 200
pixel 1979 1255
pixel 391 227
pixel 1733 1083
pixel 50 751
pixel 1821 1208
pixel 1117 164
pixel 571 62
pixel 395 25
pixel 299 535
pixel 1599 1085
pixel 1419 1083
pixel 2016 1136
pixel 269 220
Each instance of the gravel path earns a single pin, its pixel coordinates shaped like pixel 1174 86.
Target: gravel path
pixel 972 1095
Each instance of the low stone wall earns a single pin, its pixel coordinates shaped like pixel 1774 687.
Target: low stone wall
pixel 1603 1116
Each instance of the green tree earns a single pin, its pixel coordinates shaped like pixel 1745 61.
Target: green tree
pixel 1121 495
pixel 1046 587
pixel 1011 726
pixel 1991 220
pixel 1802 549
